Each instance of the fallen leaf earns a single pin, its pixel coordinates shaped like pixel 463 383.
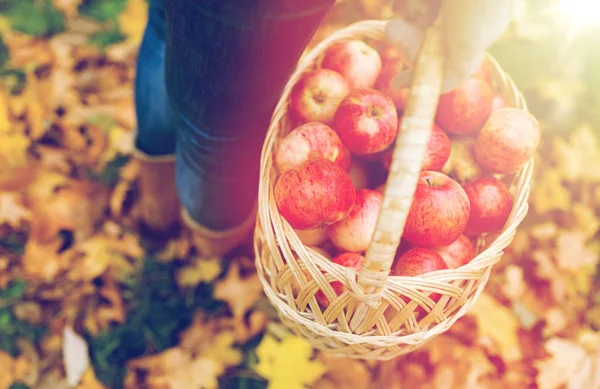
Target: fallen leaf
pixel 497 322
pixel 344 373
pixel 4 114
pixel 89 381
pixel 13 150
pixel 67 7
pixel 11 369
pixel 12 210
pixel 199 270
pixel 75 356
pixel 41 261
pixel 572 252
pixel 569 365
pixel 514 285
pixel 132 21
pixel 239 293
pixel 549 192
pixel 580 156
pixel 109 310
pixel 287 364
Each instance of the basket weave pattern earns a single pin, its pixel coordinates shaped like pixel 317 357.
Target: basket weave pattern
pixel 375 318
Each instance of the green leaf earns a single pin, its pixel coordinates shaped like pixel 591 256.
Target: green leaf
pixel 18 385
pixel 15 291
pixel 106 38
pixel 102 10
pixel 4 53
pixel 35 17
pixel 158 313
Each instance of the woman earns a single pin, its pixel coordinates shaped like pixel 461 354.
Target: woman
pixel 209 75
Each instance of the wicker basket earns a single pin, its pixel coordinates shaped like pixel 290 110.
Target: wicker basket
pixel 358 323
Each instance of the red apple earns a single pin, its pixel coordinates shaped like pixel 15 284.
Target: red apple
pixel 354 232
pixel 464 109
pixel 491 204
pixel 315 193
pixel 507 140
pixel 347 160
pixel 358 62
pixel 350 260
pixel 313 237
pixel 316 96
pixel 367 121
pixel 458 253
pixel 439 212
pixel 359 173
pixel 391 66
pixel 436 155
pixel 417 261
pixel 498 102
pixel 310 140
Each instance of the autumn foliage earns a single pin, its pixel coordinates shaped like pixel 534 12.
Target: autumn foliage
pixel 86 299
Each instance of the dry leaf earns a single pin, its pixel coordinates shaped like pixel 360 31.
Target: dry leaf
pixel 132 21
pixel 199 270
pixel 497 322
pixel 41 261
pixel 580 157
pixel 570 365
pixel 344 373
pixel 572 252
pixel 239 293
pixel 89 381
pixel 287 364
pixel 549 192
pixel 13 150
pixel 12 211
pixel 12 369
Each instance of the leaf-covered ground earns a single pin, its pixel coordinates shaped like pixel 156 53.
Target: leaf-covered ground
pixel 80 282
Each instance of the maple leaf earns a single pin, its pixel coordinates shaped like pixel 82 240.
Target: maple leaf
pixel 200 270
pixel 239 293
pixel 287 364
pixel 344 373
pixel 11 369
pixel 89 380
pixel 497 322
pixel 132 21
pixel 549 193
pixel 570 365
pixel 13 150
pixel 4 114
pixel 580 157
pixel 12 211
pixel 572 252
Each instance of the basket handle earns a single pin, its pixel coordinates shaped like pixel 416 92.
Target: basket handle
pixel 408 155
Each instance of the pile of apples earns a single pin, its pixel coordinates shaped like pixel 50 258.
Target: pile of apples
pixel 333 165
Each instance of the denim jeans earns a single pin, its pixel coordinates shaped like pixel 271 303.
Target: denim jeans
pixel 209 75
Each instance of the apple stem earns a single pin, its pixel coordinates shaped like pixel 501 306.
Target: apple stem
pixel 428 181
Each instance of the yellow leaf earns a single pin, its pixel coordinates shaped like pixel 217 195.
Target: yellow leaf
pixel 12 369
pixel 89 380
pixel 221 350
pixel 497 322
pixel 4 114
pixel 569 366
pixel 12 211
pixel 200 270
pixel 287 364
pixel 132 21
pixel 239 293
pixel 580 157
pixel 572 252
pixel 549 193
pixel 13 150
pixel 120 142
pixel 585 219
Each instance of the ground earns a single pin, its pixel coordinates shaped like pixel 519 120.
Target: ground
pixel 78 277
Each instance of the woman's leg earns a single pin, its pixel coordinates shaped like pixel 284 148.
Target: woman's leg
pixel 226 65
pixel 155 138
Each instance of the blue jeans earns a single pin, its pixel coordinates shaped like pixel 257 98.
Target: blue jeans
pixel 209 75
